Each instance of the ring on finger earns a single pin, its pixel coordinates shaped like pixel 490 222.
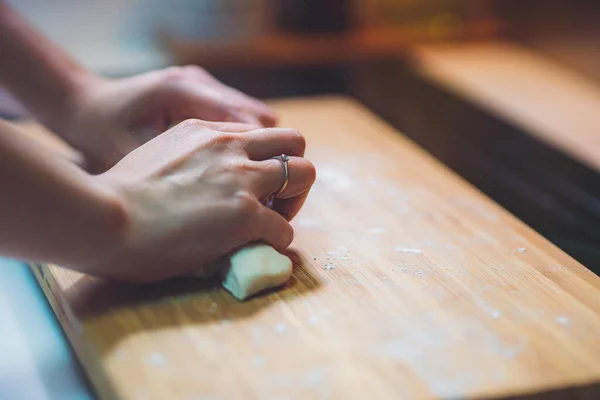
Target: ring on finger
pixel 284 159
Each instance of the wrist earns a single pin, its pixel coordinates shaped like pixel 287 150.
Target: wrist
pixel 105 238
pixel 77 89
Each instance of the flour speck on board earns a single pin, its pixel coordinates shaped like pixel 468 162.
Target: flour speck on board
pixel 157 359
pixel 334 179
pixel 280 328
pixel 521 249
pixel 258 362
pixel 314 377
pixel 325 312
pixel 307 223
pixel 487 307
pixel 377 231
pixel 562 320
pixel 408 250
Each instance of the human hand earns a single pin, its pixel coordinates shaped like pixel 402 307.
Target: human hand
pixel 110 118
pixel 196 193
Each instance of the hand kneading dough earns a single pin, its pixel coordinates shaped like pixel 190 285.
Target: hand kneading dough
pixel 210 270
pixel 250 270
pixel 254 269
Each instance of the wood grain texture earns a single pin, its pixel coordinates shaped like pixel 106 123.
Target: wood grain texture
pixel 408 283
pixel 554 103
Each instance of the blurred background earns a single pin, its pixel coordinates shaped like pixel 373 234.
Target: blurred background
pixel 505 92
pixel 122 37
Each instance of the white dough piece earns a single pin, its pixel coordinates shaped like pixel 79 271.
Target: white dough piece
pixel 255 268
pixel 250 270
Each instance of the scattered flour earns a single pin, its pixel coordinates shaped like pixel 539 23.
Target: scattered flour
pixel 408 250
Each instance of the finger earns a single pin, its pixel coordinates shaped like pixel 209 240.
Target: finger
pixel 193 101
pixel 269 121
pixel 243 117
pixel 270 177
pixel 273 229
pixel 199 73
pixel 183 138
pixel 218 111
pixel 228 103
pixel 209 99
pixel 266 143
pixel 266 115
pixel 232 127
pixel 289 208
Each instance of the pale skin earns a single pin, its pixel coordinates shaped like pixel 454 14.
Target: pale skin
pixel 152 203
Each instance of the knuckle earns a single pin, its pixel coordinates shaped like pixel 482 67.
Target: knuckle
pixel 191 68
pixel 244 168
pixel 195 69
pixel 192 125
pixel 174 73
pixel 190 72
pixel 216 137
pixel 245 206
pixel 245 126
pixel 238 168
pixel 222 140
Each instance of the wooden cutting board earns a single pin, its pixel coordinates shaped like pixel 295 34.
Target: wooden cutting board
pixel 408 283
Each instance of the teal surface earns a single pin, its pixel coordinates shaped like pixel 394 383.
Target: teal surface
pixel 36 361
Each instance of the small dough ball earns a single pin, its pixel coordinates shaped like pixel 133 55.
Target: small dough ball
pixel 255 268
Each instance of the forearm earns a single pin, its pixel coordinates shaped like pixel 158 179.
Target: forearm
pixel 50 210
pixel 36 71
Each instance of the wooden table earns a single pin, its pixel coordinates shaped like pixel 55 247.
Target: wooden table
pixel 408 283
pixel 533 123
pixel 554 103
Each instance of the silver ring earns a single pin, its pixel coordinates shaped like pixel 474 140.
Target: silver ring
pixel 284 161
